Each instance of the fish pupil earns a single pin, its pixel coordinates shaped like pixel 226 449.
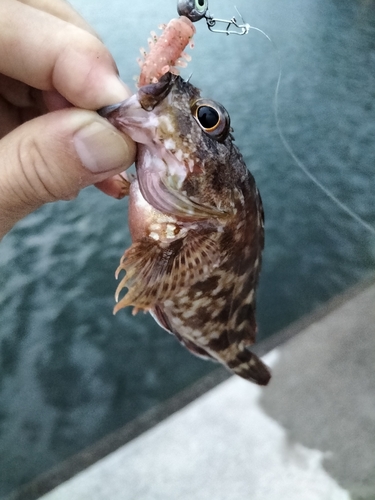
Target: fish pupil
pixel 208 117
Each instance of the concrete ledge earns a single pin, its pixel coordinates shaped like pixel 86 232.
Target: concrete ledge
pixel 89 456
pixel 309 435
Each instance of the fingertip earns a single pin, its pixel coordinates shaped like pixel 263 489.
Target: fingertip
pixel 114 90
pixel 96 82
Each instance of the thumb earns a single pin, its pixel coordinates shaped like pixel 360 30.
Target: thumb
pixel 53 157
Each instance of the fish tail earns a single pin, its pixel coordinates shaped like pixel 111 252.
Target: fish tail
pixel 247 365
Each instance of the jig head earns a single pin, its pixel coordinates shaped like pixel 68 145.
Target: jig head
pixel 198 9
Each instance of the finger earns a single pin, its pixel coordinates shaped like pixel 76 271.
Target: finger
pixel 62 10
pixel 50 54
pixel 19 103
pixel 54 156
pixel 21 95
pixel 12 118
pixel 115 186
pixel 9 119
pixel 16 93
pixel 55 101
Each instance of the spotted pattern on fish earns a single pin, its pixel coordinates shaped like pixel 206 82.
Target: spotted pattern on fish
pixel 196 220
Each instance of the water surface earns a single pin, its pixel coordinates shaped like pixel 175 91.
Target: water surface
pixel 71 372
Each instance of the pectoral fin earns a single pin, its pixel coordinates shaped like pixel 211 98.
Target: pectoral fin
pixel 156 271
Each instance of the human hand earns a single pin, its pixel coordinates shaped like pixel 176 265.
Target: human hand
pixel 53 71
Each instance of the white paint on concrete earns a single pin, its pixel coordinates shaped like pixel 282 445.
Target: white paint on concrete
pixel 223 446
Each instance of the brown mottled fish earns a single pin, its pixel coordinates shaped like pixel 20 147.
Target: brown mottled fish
pixel 196 221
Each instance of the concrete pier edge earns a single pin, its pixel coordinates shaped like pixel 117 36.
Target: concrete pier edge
pixel 79 462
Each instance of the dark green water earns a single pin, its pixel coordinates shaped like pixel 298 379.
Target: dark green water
pixel 70 372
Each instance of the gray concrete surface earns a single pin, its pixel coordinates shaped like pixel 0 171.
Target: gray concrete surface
pixel 310 435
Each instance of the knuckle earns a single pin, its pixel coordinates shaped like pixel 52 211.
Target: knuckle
pixel 38 180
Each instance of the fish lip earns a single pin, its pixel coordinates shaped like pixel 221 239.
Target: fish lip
pixel 107 110
pixel 151 95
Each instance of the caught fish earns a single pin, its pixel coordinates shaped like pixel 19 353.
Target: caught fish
pixel 196 222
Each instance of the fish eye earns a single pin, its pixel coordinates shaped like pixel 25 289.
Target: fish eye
pixel 192 9
pixel 208 117
pixel 212 117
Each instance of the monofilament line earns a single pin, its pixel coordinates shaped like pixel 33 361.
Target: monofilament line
pixel 298 162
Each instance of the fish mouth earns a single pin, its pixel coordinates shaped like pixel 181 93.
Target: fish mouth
pixel 151 95
pixel 107 110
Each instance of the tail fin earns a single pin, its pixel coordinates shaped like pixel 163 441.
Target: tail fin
pixel 248 366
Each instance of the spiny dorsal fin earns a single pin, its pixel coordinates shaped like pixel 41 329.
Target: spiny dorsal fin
pixel 156 271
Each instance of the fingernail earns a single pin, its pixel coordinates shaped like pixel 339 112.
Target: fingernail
pixel 101 148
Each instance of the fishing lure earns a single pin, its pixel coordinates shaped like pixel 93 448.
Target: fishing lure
pixel 167 51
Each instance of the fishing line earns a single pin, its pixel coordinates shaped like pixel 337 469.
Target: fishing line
pixel 198 9
pixel 299 162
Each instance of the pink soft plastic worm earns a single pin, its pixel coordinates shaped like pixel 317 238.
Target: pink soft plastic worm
pixel 167 51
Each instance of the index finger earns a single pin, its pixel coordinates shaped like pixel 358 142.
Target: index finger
pixel 63 10
pixel 48 53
